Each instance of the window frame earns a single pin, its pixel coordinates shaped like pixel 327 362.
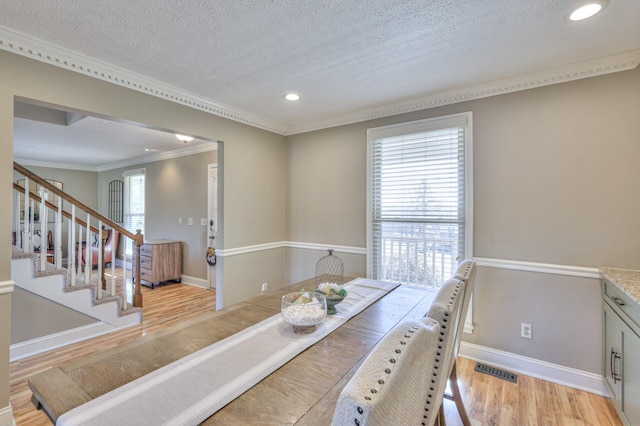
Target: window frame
pixel 455 120
pixel 127 175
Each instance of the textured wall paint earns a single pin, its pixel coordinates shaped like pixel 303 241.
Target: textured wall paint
pixel 174 188
pixel 555 181
pixel 255 173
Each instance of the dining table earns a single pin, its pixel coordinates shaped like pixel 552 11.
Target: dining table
pixel 302 391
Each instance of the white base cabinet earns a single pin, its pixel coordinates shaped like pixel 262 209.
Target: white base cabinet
pixel 622 352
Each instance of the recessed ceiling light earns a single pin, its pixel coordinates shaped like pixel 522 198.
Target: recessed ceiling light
pixel 292 96
pixel 147 149
pixel 586 10
pixel 184 138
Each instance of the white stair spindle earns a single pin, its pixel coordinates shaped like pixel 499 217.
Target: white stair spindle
pixel 100 259
pixel 16 226
pixel 113 268
pixel 26 234
pixel 44 246
pixel 88 251
pixel 72 243
pixel 57 246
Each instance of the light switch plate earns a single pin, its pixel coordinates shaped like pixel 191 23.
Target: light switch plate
pixel 190 221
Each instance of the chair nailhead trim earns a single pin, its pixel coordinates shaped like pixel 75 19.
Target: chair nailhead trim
pixel 360 410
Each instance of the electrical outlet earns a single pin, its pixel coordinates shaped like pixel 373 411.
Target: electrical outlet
pixel 526 331
pixel 264 288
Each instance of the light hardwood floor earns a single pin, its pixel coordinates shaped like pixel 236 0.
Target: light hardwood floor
pixel 489 400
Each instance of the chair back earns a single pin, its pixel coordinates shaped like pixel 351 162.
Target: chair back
pixel 398 381
pixel 467 273
pixel 446 309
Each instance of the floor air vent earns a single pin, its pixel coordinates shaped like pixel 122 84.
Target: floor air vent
pixel 496 372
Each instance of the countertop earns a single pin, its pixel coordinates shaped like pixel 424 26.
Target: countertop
pixel 627 280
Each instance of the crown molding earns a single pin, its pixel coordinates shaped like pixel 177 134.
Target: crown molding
pixel 43 51
pixel 158 156
pixel 166 155
pixel 600 66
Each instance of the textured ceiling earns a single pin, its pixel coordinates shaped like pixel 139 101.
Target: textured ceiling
pixel 344 57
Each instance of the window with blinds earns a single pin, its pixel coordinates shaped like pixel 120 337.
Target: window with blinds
pixel 419 200
pixel 133 203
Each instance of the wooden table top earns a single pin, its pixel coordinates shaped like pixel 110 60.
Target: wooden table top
pixel 304 391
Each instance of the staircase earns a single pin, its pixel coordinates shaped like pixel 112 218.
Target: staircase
pixel 59 268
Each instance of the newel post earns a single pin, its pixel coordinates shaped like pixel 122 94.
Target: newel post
pixel 137 296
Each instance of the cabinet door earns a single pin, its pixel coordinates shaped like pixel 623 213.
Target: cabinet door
pixel 630 404
pixel 612 352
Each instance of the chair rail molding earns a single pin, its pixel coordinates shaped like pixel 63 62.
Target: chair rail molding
pixel 543 268
pixel 6 286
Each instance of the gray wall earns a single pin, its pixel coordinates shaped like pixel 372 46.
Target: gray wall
pixel 34 316
pixel 174 188
pixel 254 173
pixel 555 177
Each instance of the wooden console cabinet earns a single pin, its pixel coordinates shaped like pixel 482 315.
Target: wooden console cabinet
pixel 160 260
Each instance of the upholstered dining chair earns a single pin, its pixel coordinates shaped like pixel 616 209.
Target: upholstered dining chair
pixel 446 310
pixel 465 273
pixel 399 381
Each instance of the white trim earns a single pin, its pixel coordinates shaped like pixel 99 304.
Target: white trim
pixel 249 249
pixel 6 286
pixel 6 416
pixel 159 156
pixel 57 340
pixel 290 244
pixel 544 268
pixel 463 119
pixel 43 51
pixel 325 247
pixel 517 265
pixel 591 68
pixel 193 281
pixel 554 373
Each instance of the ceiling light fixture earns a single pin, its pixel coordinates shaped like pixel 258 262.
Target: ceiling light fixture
pixel 184 138
pixel 292 96
pixel 586 10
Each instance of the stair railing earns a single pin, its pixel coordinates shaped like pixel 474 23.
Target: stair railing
pixel 34 209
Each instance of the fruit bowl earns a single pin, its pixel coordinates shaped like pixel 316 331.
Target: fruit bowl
pixel 303 310
pixel 334 294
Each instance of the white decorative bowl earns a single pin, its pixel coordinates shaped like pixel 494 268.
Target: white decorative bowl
pixel 303 310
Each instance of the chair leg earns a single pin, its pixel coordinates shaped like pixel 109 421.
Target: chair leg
pixel 457 396
pixel 440 418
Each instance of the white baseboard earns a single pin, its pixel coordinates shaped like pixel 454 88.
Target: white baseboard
pixel 6 416
pixel 566 376
pixel 197 282
pixel 56 340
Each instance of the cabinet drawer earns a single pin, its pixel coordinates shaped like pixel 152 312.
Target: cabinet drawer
pixel 145 262
pixel 146 249
pixel 623 302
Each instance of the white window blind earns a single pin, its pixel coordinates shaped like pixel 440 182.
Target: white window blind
pixel 418 200
pixel 134 193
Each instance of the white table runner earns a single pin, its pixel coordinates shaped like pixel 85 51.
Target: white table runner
pixel 191 389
